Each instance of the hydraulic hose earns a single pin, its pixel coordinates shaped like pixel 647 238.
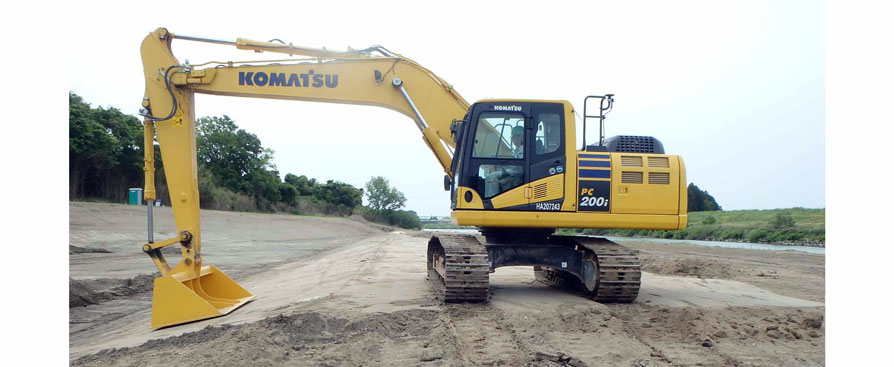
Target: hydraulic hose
pixel 149 116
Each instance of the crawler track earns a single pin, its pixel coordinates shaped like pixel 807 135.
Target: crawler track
pixel 458 268
pixel 617 268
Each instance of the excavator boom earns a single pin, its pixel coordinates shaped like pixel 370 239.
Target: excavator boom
pixel 355 77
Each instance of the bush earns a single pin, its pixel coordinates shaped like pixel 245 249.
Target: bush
pixel 701 232
pixel 339 193
pixel 400 218
pixel 782 221
pixel 756 235
pixel 403 218
pixel 788 235
pixel 310 206
pixel 288 192
pixel 731 234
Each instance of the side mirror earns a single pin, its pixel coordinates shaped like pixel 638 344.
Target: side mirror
pixel 447 183
pixel 456 131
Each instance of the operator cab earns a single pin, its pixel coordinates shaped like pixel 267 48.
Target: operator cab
pixel 503 147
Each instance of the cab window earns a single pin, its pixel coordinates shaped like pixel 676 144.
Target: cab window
pixel 499 135
pixel 547 138
pixel 495 179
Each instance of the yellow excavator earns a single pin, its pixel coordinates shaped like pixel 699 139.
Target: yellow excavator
pixel 512 170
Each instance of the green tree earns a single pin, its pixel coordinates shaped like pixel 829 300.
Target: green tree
pixel 236 158
pixel 105 151
pixel 304 186
pixel 340 193
pixel 265 184
pixel 91 149
pixel 229 153
pixel 289 193
pixel 700 200
pixel 381 196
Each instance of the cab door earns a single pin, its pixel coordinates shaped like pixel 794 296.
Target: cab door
pixel 547 157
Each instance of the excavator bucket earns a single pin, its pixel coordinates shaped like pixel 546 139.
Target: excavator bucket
pixel 181 297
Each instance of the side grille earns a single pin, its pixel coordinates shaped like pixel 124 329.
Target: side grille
pixel 659 178
pixel 658 162
pixel 630 161
pixel 631 177
pixel 540 191
pixel 635 144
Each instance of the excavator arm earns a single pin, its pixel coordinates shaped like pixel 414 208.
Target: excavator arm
pixel 375 76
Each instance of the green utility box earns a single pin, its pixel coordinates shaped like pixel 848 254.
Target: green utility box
pixel 135 196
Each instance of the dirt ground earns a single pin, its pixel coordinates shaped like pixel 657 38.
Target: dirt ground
pixel 340 292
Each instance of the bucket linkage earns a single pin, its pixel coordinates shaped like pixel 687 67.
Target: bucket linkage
pixel 190 291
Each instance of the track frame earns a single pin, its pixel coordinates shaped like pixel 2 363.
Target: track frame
pixel 459 265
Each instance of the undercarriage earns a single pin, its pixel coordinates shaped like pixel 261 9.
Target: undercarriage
pixel 459 265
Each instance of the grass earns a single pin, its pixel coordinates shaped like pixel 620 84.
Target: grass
pixel 794 226
pixel 443 225
pixel 781 226
pixel 97 200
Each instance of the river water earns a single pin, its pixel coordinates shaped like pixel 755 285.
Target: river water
pixel 744 245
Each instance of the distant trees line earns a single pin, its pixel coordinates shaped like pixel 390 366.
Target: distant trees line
pixel 105 151
pixel 235 171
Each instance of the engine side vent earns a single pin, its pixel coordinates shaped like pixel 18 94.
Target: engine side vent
pixel 634 144
pixel 631 177
pixel 658 162
pixel 631 161
pixel 659 178
pixel 540 191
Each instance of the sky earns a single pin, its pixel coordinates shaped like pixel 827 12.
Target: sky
pixel 736 88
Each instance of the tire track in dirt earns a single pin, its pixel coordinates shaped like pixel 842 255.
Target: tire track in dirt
pixel 483 337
